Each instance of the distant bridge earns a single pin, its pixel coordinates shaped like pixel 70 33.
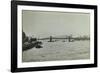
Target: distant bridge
pixel 67 38
pixel 51 39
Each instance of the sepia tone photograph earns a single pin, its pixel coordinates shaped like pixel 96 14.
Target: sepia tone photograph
pixel 52 36
pixel 55 36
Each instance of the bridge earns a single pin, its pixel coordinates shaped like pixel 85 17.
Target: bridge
pixel 66 38
pixel 52 39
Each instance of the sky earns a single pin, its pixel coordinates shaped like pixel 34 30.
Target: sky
pixel 46 23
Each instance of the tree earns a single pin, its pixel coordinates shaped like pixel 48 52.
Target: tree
pixel 24 37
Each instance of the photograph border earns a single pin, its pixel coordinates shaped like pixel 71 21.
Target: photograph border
pixel 14 24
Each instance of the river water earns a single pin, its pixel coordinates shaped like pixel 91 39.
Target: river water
pixel 59 50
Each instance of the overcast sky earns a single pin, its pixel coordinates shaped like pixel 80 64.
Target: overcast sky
pixel 44 24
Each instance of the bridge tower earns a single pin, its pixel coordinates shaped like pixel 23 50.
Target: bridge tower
pixel 50 38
